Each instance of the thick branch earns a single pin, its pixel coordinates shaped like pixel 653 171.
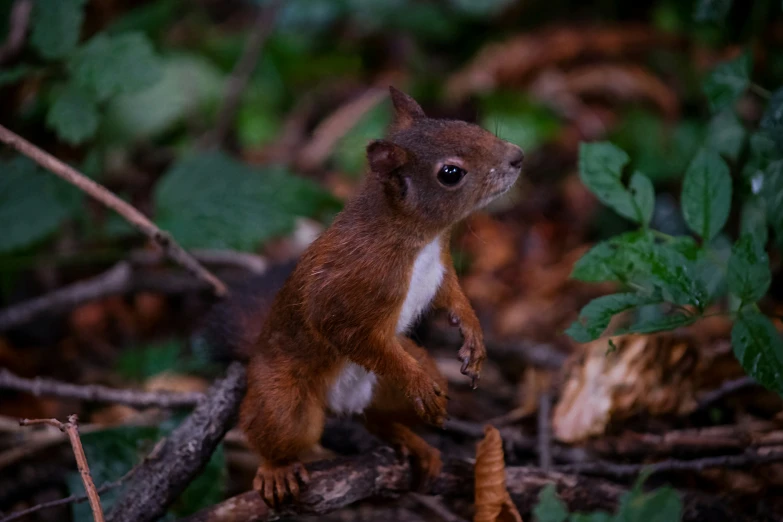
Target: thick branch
pixel 134 217
pixel 158 482
pixel 341 482
pixel 40 386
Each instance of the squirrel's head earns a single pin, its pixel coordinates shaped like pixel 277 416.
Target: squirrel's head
pixel 439 171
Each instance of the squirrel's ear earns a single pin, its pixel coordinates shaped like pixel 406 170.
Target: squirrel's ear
pixel 406 110
pixel 385 156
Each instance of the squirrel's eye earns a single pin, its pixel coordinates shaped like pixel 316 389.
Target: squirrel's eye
pixel 450 175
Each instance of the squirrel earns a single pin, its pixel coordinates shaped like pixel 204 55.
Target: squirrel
pixel 334 338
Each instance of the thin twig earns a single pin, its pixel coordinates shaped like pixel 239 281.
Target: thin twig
pixel 544 432
pixel 727 388
pixel 765 455
pixel 240 76
pixel 40 386
pixel 436 506
pixel 19 22
pixel 333 128
pixel 75 499
pixel 111 282
pixel 71 428
pixel 131 214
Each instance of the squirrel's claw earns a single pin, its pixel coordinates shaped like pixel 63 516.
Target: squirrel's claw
pixel 277 484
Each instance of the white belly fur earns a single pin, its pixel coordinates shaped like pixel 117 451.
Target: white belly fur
pixel 352 390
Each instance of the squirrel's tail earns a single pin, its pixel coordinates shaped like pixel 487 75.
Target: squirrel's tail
pixel 231 328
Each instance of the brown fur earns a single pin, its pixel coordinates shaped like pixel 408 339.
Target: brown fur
pixel 343 299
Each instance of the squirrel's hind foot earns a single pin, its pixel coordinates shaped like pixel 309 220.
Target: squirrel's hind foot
pixel 277 484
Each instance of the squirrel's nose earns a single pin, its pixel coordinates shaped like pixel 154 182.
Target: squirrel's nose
pixel 516 157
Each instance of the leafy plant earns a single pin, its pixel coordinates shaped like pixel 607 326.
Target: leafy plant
pixel 685 276
pixel 209 200
pixel 661 505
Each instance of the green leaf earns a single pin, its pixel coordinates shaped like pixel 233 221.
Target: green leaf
pixel 158 109
pixel 73 115
pixel 643 195
pixel 349 153
pixel 771 191
pixel 111 65
pixel 56 26
pixel 32 204
pixel 772 119
pixel 759 349
pixel 725 134
pixel 711 10
pixel 660 324
pixel 210 200
pixel 595 316
pixel 661 505
pixel 706 194
pixel 670 271
pixel 142 362
pixel 748 273
pixel 598 516
pixel 601 168
pixel 753 220
pixel 728 81
pixel 550 508
pixel 611 260
pixel 519 120
pixel 12 75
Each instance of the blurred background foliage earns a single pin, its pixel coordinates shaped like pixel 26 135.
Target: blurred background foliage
pixel 129 92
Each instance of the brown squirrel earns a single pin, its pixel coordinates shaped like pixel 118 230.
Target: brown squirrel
pixel 335 339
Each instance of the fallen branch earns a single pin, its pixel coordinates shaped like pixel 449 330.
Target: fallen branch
pixel 134 217
pixel 340 482
pixel 240 76
pixel 72 429
pixel 159 481
pixel 124 278
pixel 40 386
pixel 725 389
pixel 114 281
pixel 751 456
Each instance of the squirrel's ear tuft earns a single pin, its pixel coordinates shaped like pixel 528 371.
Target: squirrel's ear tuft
pixel 406 110
pixel 385 156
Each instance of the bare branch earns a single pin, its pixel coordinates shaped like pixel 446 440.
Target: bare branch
pixel 725 389
pixel 243 70
pixel 751 456
pixel 71 428
pixel 137 219
pixel 159 481
pixel 113 281
pixel 40 386
pixel 19 22
pixel 329 131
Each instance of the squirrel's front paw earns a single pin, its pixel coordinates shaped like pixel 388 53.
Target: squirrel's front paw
pixel 428 398
pixel 472 354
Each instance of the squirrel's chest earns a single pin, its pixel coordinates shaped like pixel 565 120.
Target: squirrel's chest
pixel 352 391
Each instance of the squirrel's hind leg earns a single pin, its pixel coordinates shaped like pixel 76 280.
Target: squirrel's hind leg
pixel 281 431
pixel 391 416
